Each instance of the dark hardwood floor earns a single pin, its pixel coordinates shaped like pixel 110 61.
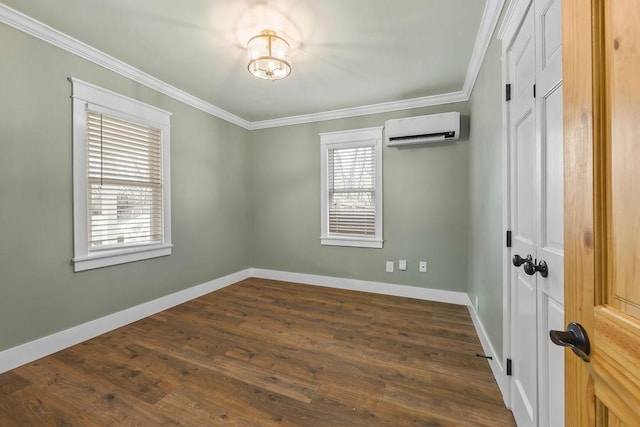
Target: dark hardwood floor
pixel 267 353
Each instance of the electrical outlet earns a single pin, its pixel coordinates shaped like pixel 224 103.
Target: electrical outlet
pixel 423 266
pixel 402 264
pixel 389 266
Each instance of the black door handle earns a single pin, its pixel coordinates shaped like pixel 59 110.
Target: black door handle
pixel 531 268
pixel 575 337
pixel 517 260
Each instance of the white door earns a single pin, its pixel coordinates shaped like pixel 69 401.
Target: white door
pixel 522 200
pixel 535 215
pixel 550 235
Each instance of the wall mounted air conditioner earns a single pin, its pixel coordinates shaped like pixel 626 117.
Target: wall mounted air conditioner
pixel 422 129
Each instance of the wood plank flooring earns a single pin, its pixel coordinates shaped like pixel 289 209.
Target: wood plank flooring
pixel 267 353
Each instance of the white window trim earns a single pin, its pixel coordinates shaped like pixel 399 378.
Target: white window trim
pixel 88 96
pixel 346 139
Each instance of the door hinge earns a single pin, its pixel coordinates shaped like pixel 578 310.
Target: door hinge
pixel 509 371
pixel 508 238
pixel 507 91
pixel 534 90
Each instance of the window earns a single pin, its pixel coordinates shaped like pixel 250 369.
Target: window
pixel 352 188
pixel 121 184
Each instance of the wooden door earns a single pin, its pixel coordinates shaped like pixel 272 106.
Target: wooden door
pixel 601 70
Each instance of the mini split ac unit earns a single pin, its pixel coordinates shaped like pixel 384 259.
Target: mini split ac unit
pixel 422 129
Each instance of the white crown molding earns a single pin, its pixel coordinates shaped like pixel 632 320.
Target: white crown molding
pixel 48 34
pixel 488 24
pixel 384 107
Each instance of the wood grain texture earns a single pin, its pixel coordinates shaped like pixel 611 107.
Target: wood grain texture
pixel 602 93
pixel 267 353
pixel 581 223
pixel 623 60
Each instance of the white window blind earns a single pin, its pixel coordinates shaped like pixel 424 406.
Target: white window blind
pixel 124 182
pixel 351 187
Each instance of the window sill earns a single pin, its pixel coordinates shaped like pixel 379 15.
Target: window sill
pixel 119 256
pixel 351 241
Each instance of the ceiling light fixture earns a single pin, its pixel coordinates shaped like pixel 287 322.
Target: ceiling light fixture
pixel 269 56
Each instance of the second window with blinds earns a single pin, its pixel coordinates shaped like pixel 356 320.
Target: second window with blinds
pixel 352 188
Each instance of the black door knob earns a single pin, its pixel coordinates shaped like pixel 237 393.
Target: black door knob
pixel 531 268
pixel 575 337
pixel 517 260
pixel 542 268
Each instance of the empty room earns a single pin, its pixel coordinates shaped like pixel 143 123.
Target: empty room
pixel 330 213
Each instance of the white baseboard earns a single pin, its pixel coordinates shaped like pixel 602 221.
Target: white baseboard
pixel 451 297
pixel 495 363
pixel 28 352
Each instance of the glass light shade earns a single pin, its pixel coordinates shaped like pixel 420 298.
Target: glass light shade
pixel 269 56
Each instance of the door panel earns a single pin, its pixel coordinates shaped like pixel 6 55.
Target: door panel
pixel 524 180
pixel 551 386
pixel 520 58
pixel 553 224
pixel 525 344
pixel 550 40
pixel 602 227
pixel 624 53
pixel 550 248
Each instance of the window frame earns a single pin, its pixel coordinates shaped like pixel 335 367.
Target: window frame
pixel 87 96
pixel 349 139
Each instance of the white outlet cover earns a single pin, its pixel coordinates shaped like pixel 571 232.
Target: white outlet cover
pixel 389 266
pixel 402 264
pixel 423 266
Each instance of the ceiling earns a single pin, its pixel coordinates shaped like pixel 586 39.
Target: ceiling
pixel 346 54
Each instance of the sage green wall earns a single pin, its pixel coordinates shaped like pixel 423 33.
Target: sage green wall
pixel 239 199
pixel 39 293
pixel 425 206
pixel 486 236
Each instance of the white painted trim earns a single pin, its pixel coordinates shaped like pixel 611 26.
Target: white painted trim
pixel 511 23
pixel 26 353
pixel 48 34
pixel 57 38
pixel 506 223
pixel 438 295
pixel 351 242
pixel 488 24
pixel 508 16
pixel 495 364
pixel 384 107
